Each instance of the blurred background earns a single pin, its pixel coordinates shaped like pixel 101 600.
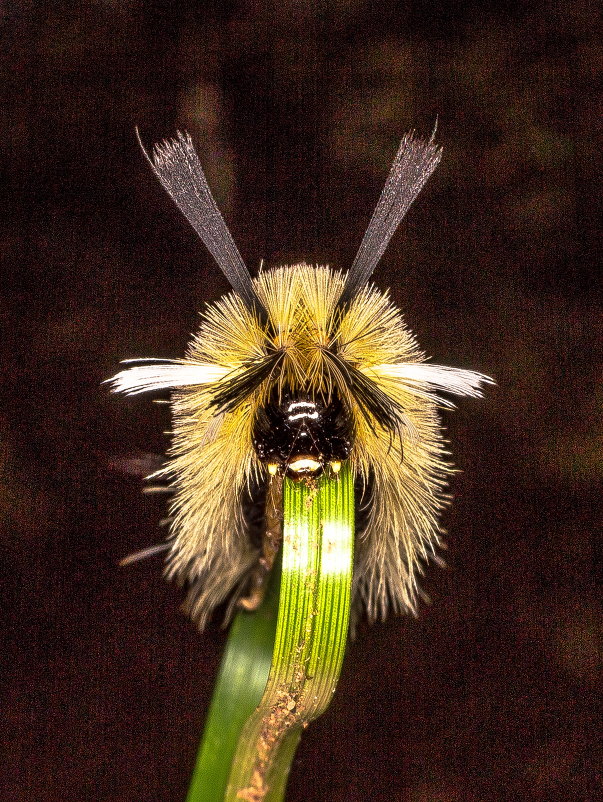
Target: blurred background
pixel 297 109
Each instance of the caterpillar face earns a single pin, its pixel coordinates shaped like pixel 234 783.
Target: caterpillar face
pixel 299 436
pixel 290 374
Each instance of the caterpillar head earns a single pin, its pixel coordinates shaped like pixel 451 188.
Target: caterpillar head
pixel 298 434
pixel 293 372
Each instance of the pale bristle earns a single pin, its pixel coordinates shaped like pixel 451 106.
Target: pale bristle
pixel 212 457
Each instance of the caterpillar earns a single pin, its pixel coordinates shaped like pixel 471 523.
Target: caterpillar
pixel 290 374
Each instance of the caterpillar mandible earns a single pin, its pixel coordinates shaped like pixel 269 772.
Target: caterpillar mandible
pixel 290 374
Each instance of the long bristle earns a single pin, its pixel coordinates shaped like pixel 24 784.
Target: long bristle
pixel 415 161
pixel 177 166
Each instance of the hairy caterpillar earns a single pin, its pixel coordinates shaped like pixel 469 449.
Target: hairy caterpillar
pixel 291 373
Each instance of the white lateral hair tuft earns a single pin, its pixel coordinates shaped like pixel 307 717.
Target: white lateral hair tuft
pixel 423 378
pixel 164 375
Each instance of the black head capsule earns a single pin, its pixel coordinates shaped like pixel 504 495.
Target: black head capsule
pixel 299 435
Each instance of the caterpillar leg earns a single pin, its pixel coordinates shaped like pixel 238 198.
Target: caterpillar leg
pixel 271 541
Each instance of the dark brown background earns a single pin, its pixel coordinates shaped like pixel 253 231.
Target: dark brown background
pixel 297 109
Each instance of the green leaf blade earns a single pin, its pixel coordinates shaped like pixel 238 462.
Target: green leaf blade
pixel 311 634
pixel 238 690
